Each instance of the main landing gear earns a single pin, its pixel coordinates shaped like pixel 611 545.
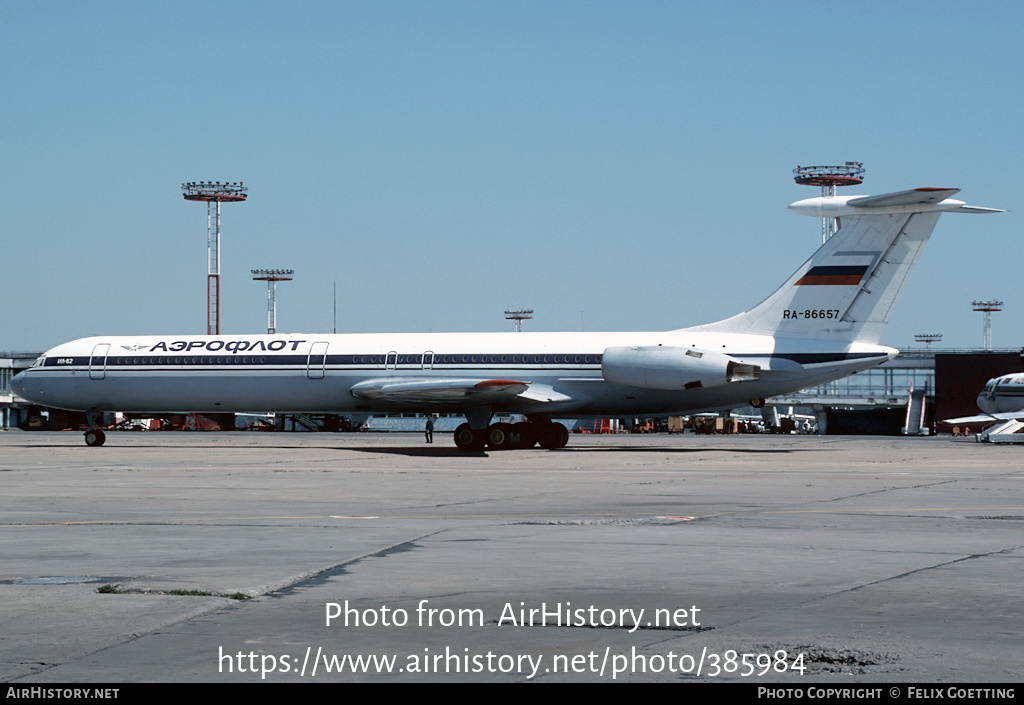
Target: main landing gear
pixel 506 436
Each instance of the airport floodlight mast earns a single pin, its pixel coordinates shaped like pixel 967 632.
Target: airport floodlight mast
pixel 519 317
pixel 828 177
pixel 986 308
pixel 271 277
pixel 928 338
pixel 213 192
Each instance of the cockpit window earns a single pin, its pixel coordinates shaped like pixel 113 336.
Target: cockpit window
pixel 40 361
pixel 990 389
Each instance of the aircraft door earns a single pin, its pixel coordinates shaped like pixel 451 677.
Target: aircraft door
pixel 317 360
pixel 98 361
pixel 428 360
pixel 391 361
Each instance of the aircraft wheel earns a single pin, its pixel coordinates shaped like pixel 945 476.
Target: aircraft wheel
pixel 468 439
pixel 499 436
pixel 554 435
pixel 95 437
pixel 561 436
pixel 524 435
pixel 757 403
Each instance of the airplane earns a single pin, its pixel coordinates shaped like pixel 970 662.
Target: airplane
pixel 1002 399
pixel 822 324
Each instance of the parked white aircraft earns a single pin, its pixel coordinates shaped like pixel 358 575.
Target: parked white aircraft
pixel 1002 399
pixel 824 323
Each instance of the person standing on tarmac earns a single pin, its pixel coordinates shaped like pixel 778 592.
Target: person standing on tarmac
pixel 429 430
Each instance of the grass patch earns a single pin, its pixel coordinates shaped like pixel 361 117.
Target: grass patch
pixel 115 590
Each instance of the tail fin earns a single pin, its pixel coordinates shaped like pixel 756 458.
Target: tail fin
pixel 847 290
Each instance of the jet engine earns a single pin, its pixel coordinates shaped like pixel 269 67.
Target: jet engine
pixel 673 369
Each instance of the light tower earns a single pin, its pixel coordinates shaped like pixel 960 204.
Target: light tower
pixel 519 317
pixel 928 339
pixel 271 277
pixel 986 308
pixel 213 192
pixel 828 177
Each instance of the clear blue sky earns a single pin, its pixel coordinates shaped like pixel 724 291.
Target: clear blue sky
pixel 444 161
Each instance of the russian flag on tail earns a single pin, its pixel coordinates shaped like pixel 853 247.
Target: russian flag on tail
pixel 840 275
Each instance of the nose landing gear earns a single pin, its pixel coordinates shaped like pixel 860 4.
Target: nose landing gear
pixel 94 435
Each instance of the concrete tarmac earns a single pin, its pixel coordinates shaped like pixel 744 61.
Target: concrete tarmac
pixel 758 559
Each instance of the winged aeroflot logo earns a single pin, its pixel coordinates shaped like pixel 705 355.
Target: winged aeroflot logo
pixel 135 348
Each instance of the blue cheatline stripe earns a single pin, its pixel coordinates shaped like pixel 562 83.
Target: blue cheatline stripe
pixel 406 362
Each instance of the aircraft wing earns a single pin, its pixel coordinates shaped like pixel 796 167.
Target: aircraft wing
pixel 468 391
pixel 989 418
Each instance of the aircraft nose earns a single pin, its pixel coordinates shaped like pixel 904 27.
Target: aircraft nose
pixel 983 404
pixel 22 387
pixel 18 384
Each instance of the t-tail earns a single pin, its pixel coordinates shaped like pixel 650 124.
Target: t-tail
pixel 848 289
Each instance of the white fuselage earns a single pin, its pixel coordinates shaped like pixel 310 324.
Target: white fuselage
pixel 317 373
pixel 1003 394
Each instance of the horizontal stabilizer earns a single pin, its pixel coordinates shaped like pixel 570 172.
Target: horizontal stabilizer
pixel 918 200
pixel 904 198
pixel 978 209
pixel 936 196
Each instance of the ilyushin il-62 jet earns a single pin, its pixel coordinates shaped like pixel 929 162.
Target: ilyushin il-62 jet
pixel 822 324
